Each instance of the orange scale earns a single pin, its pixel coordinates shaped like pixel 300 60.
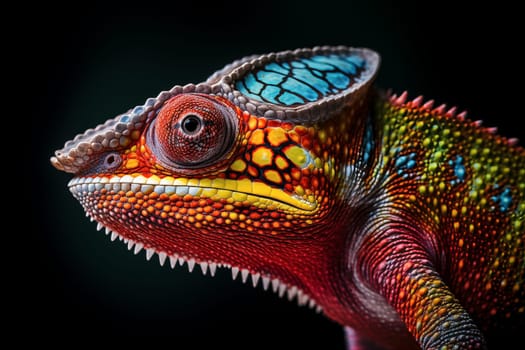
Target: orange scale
pixel 153 195
pixel 253 171
pixel 305 182
pixel 287 126
pixel 294 136
pixel 273 123
pixel 261 123
pixel 306 142
pixel 301 130
pixel 296 173
pixel 252 123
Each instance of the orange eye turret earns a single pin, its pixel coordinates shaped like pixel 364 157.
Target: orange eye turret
pixel 192 131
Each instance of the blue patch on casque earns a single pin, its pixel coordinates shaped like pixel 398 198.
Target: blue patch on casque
pixel 270 93
pixel 459 170
pixel 504 199
pixel 302 80
pixel 289 99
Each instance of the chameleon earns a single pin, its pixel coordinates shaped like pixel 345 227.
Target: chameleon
pixel 401 221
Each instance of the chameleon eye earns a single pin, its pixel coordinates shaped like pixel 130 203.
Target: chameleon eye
pixel 191 124
pixel 192 131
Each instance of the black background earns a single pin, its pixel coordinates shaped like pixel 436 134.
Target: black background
pixel 98 60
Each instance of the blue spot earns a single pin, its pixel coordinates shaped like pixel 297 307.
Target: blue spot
pixel 299 88
pixel 400 161
pixel 504 199
pixel 138 110
pixel 405 162
pixel 318 65
pixel 270 78
pixel 459 169
pixel 253 85
pixel 368 142
pixel 345 66
pixel 340 80
pixel 358 61
pixel 270 92
pixel 242 89
pixel 274 67
pixel 317 73
pixel 289 99
pixel 305 75
pixel 125 118
pixel 298 64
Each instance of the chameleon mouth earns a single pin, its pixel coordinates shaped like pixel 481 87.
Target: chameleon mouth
pixel 277 286
pixel 245 191
pixel 253 193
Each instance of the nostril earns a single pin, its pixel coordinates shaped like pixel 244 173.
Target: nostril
pixel 112 160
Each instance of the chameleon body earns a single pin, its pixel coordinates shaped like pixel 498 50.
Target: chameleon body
pixel 403 222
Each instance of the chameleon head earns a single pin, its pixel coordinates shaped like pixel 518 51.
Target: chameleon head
pixel 242 171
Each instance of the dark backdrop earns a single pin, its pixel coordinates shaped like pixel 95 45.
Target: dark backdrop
pixel 98 60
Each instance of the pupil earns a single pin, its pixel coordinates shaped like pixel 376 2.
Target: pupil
pixel 191 124
pixel 110 159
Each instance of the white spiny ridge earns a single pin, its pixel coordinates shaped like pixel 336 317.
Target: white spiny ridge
pixel 204 267
pixel 149 253
pixel 162 258
pixel 213 268
pixel 278 287
pixel 255 279
pixel 138 248
pixel 191 264
pixel 235 272
pixel 244 275
pixel 265 282
pixel 173 261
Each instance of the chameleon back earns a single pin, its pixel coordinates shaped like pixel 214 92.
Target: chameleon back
pixel 465 187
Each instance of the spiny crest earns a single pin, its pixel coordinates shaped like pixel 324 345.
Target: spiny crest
pixel 277 285
pixel 417 103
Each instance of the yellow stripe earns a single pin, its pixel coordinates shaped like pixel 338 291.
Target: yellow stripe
pixel 255 192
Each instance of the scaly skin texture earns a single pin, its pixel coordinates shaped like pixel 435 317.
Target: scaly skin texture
pixel 402 222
